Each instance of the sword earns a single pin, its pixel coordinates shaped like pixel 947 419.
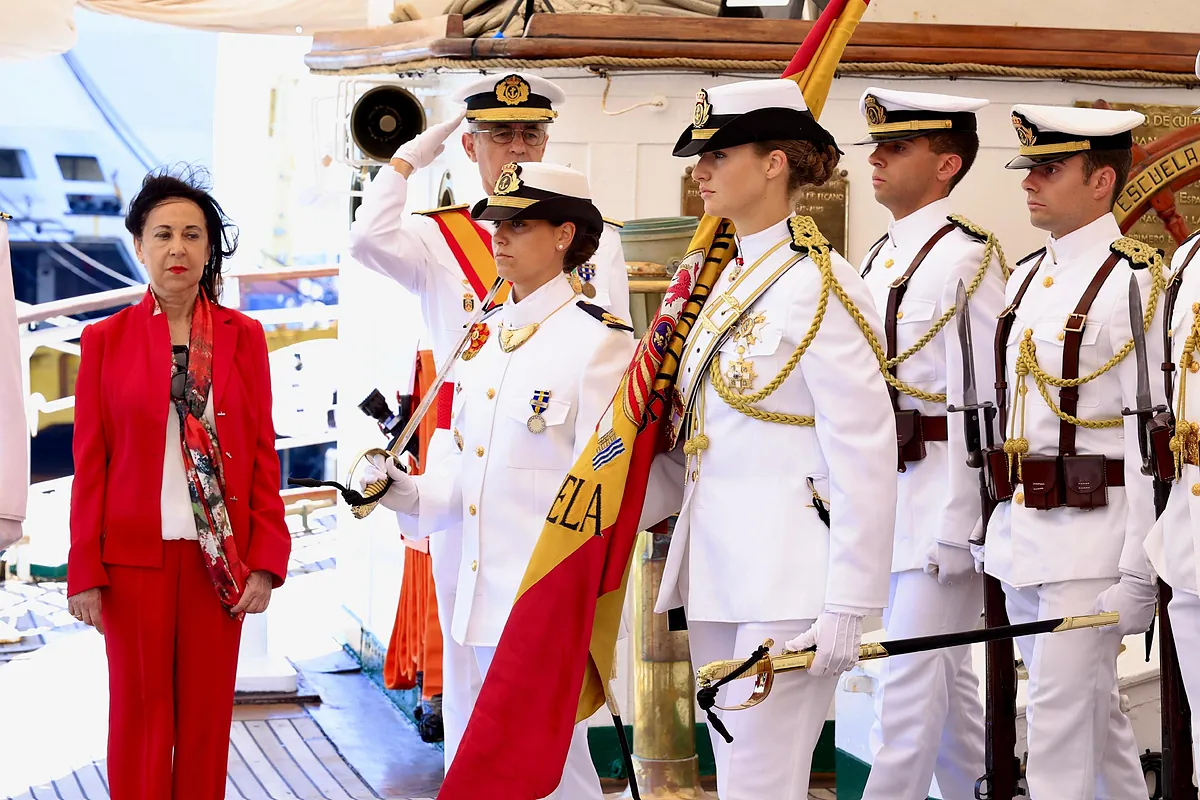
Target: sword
pixel 766 666
pixel 363 504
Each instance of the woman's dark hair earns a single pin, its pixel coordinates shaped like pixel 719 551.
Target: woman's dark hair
pixel 809 163
pixel 195 184
pixel 582 247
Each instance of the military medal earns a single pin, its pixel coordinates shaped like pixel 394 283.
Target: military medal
pixel 458 440
pixel 539 403
pixel 587 272
pixel 479 336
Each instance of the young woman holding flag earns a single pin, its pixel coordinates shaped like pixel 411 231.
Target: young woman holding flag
pixel 537 376
pixel 784 424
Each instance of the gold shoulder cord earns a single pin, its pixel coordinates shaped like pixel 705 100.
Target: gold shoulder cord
pixel 1185 442
pixel 1017 445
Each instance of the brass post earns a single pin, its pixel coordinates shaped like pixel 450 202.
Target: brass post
pixel 664 716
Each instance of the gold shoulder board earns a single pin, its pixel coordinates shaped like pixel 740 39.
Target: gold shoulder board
pixel 616 223
pixel 435 211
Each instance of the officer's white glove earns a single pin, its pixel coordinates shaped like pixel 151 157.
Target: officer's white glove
pixel 420 151
pixel 949 563
pixel 837 635
pixel 977 549
pixel 1133 598
pixel 401 495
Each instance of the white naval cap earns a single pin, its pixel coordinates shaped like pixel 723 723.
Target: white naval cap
pixel 893 115
pixel 536 190
pixel 1054 133
pixel 510 97
pixel 749 111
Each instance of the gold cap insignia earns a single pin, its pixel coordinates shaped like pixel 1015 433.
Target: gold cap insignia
pixel 509 180
pixel 876 113
pixel 703 110
pixel 1026 133
pixel 512 91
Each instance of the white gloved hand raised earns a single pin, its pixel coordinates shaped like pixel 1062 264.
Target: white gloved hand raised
pixel 837 636
pixel 1134 599
pixel 401 495
pixel 420 151
pixel 949 563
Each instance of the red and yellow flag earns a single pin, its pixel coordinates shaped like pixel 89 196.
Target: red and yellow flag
pixel 557 651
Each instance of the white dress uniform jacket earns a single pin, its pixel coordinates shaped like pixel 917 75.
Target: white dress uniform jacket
pixel 1172 542
pixel 1026 547
pixel 14 436
pixel 748 545
pixel 939 495
pixel 504 480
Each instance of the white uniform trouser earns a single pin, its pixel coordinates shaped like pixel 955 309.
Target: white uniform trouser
pixel 928 716
pixel 771 753
pixel 1081 746
pixel 1185 627
pixel 460 674
pixel 579 780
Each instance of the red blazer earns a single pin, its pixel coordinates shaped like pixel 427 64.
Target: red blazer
pixel 122 398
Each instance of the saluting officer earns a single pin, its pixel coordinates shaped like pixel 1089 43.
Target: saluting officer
pixel 929 719
pixel 445 257
pixel 539 373
pixel 784 422
pixel 1068 540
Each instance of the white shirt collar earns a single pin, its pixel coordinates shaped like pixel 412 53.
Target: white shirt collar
pixel 752 247
pixel 1095 235
pixel 539 305
pixel 915 229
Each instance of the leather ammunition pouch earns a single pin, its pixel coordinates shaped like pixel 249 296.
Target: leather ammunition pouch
pixel 913 430
pixel 1000 485
pixel 1039 477
pixel 1069 481
pixel 1159 432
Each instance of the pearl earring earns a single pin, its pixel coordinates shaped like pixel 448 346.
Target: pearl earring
pixel 560 247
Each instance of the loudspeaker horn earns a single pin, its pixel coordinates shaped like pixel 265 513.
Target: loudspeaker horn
pixel 384 118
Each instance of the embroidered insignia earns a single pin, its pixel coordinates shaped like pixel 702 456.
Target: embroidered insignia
pixel 539 404
pixel 468 303
pixel 876 113
pixel 458 440
pixel 1139 254
pixel 703 110
pixel 608 447
pixel 512 91
pixel 1026 132
pixel 805 235
pixel 479 336
pixel 509 180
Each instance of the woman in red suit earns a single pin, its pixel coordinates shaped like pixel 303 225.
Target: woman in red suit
pixel 177 527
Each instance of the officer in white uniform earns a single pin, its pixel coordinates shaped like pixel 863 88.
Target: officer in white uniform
pixel 774 352
pixel 508 116
pixel 14 436
pixel 1070 539
pixel 539 373
pixel 1173 541
pixel 928 715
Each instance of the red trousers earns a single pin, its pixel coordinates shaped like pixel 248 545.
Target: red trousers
pixel 172 664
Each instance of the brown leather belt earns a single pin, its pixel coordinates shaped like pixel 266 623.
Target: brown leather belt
pixel 934 429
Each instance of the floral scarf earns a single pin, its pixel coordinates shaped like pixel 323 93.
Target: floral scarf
pixel 202 463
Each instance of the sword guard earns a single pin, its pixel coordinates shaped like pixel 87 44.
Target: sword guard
pixel 973 407
pixel 1133 412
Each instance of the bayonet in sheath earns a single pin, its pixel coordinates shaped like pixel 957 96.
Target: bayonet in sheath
pixel 971 405
pixel 1145 408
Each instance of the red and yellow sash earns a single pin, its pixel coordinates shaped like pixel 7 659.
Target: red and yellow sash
pixel 471 245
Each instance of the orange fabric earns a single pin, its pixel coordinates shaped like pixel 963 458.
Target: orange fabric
pixel 416 641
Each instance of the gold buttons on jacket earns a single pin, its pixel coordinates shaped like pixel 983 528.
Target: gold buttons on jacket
pixel 479 452
pixel 899 315
pixel 889 264
pixel 1019 498
pixel 1194 366
pixel 474 566
pixel 1062 335
pixel 1196 489
pixel 491 393
pixel 1048 282
pixel 472 509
